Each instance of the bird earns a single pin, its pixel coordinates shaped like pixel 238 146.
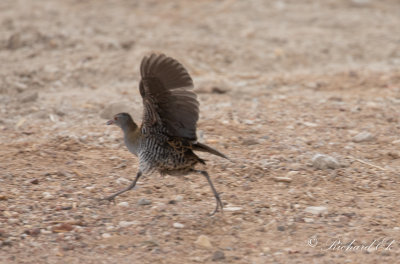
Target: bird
pixel 166 140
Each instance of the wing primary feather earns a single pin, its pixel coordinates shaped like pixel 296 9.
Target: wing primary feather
pixel 167 98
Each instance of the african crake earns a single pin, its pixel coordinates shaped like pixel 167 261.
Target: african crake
pixel 167 137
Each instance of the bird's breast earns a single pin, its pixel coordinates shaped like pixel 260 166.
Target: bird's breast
pixel 132 142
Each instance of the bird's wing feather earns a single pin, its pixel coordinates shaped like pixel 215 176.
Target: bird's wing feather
pixel 168 99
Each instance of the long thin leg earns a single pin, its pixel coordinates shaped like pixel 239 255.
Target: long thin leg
pixel 218 200
pixel 131 186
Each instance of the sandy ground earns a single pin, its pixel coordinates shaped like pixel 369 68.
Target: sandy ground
pixel 279 82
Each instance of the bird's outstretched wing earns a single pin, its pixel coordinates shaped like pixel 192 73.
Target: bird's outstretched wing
pixel 168 100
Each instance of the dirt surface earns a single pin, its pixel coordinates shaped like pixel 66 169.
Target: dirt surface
pixel 278 81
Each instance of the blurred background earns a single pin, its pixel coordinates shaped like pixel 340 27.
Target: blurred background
pixel 279 82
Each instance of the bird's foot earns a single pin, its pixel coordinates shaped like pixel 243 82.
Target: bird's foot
pixel 130 187
pixel 219 206
pixel 110 198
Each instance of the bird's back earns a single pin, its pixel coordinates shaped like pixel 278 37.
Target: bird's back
pixel 166 154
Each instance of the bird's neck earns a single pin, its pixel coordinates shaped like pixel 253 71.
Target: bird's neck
pixel 130 127
pixel 132 137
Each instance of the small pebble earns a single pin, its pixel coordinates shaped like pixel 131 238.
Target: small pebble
pixel 266 249
pixel 363 137
pixel 47 195
pixel 45 232
pixel 311 85
pixel 179 198
pixel 316 210
pixel 309 124
pixel 393 154
pixel 34 181
pixel 232 209
pixel 127 223
pixel 123 204
pixel 90 188
pixel 178 225
pixel 322 162
pixel 33 232
pixel 218 255
pixel 250 141
pixel 61 228
pixel 394 142
pixel 292 173
pixel 106 235
pixel 218 90
pixel 144 201
pixel 122 180
pixel 282 179
pixel 12 220
pixel 281 228
pixel 203 241
pixel 7 242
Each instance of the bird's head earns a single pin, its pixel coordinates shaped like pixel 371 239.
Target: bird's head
pixel 123 120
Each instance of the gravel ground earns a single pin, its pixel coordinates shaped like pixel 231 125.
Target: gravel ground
pixel 302 95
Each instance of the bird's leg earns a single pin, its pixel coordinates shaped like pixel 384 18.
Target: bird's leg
pixel 218 200
pixel 131 186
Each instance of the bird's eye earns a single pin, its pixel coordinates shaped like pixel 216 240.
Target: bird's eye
pixel 115 118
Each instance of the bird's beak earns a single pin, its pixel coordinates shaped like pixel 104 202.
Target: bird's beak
pixel 110 122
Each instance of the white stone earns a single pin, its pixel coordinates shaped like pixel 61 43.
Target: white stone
pixel 47 195
pixel 322 161
pixel 232 209
pixel 122 180
pixel 363 137
pixel 106 235
pixel 316 210
pixel 309 124
pixel 178 225
pixel 127 223
pixel 292 173
pixel 123 204
pixel 179 198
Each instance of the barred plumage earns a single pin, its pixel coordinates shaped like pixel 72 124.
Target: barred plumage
pixel 167 137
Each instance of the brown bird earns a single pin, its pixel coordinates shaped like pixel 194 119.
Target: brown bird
pixel 167 137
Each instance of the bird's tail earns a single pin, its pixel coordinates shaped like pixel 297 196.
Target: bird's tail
pixel 202 147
